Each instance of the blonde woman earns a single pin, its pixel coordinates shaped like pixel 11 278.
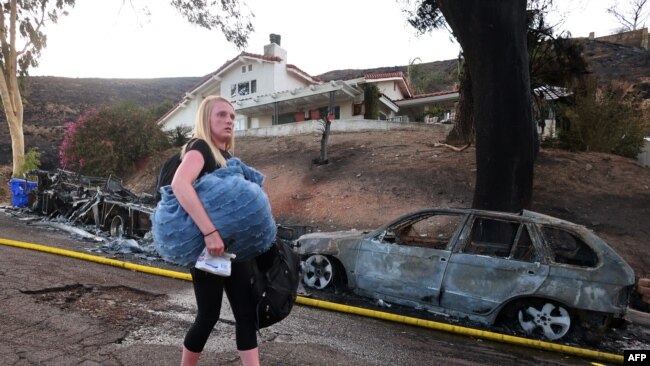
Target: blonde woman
pixel 207 151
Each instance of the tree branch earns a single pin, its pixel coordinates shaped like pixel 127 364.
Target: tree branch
pixel 451 147
pixel 29 41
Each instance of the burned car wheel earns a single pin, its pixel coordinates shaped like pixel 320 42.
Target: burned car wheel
pixel 318 271
pixel 545 318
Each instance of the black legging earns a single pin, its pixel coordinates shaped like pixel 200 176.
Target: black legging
pixel 208 290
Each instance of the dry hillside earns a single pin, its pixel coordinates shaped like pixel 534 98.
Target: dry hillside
pixel 50 102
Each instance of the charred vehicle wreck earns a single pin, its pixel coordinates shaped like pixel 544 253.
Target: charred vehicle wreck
pixel 543 275
pixel 102 202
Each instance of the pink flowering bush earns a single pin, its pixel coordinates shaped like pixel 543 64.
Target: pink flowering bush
pixel 110 140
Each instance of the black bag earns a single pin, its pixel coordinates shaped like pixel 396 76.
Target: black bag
pixel 166 174
pixel 275 289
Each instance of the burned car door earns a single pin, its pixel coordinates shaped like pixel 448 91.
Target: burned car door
pixel 493 261
pixel 406 262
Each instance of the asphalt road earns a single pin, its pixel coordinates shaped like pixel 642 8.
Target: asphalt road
pixel 56 310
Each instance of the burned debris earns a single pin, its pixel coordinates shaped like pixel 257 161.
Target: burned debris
pixel 94 209
pixel 102 202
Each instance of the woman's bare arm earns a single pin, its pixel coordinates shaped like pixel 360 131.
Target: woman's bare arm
pixel 186 174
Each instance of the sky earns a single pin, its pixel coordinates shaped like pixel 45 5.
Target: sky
pixel 117 39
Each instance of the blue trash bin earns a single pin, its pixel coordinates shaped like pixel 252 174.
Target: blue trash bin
pixel 20 189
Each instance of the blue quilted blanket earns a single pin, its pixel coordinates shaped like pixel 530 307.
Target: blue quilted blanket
pixel 236 203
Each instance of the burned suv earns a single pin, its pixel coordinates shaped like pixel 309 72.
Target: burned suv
pixel 545 274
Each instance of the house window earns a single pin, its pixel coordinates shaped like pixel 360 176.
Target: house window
pixel 250 68
pixel 243 69
pixel 357 109
pixel 284 118
pixel 243 88
pixel 240 123
pixel 246 68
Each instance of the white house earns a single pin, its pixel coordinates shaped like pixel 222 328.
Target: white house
pixel 266 90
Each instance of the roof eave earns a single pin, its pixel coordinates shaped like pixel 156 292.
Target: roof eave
pixel 389 103
pixel 286 95
pixel 430 99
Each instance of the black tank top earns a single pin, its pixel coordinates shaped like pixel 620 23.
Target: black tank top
pixel 210 163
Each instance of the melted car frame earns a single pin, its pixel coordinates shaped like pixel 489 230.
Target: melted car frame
pixel 546 274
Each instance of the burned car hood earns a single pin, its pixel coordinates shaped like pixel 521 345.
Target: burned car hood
pixel 326 241
pixel 327 236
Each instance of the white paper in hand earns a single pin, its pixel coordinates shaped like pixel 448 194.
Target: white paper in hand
pixel 218 265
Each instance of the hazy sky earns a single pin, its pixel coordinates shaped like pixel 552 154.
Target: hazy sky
pixel 112 39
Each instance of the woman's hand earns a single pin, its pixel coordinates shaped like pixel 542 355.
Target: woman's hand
pixel 214 243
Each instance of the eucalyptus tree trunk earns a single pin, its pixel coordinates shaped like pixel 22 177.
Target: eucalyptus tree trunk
pixel 13 107
pixel 492 34
pixel 10 91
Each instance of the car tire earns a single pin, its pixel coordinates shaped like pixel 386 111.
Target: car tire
pixel 545 319
pixel 319 271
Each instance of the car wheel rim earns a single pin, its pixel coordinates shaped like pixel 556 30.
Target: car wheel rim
pixel 553 321
pixel 318 271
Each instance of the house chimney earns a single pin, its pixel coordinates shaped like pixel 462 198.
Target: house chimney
pixel 275 38
pixel 592 35
pixel 273 49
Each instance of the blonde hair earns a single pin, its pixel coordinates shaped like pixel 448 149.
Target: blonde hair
pixel 203 131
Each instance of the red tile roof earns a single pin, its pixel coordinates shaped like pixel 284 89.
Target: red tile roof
pixel 386 75
pixel 434 94
pixel 245 54
pixel 242 54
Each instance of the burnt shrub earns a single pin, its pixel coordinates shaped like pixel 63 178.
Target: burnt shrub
pixel 111 139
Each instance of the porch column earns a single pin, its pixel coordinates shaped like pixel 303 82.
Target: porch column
pixel 276 108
